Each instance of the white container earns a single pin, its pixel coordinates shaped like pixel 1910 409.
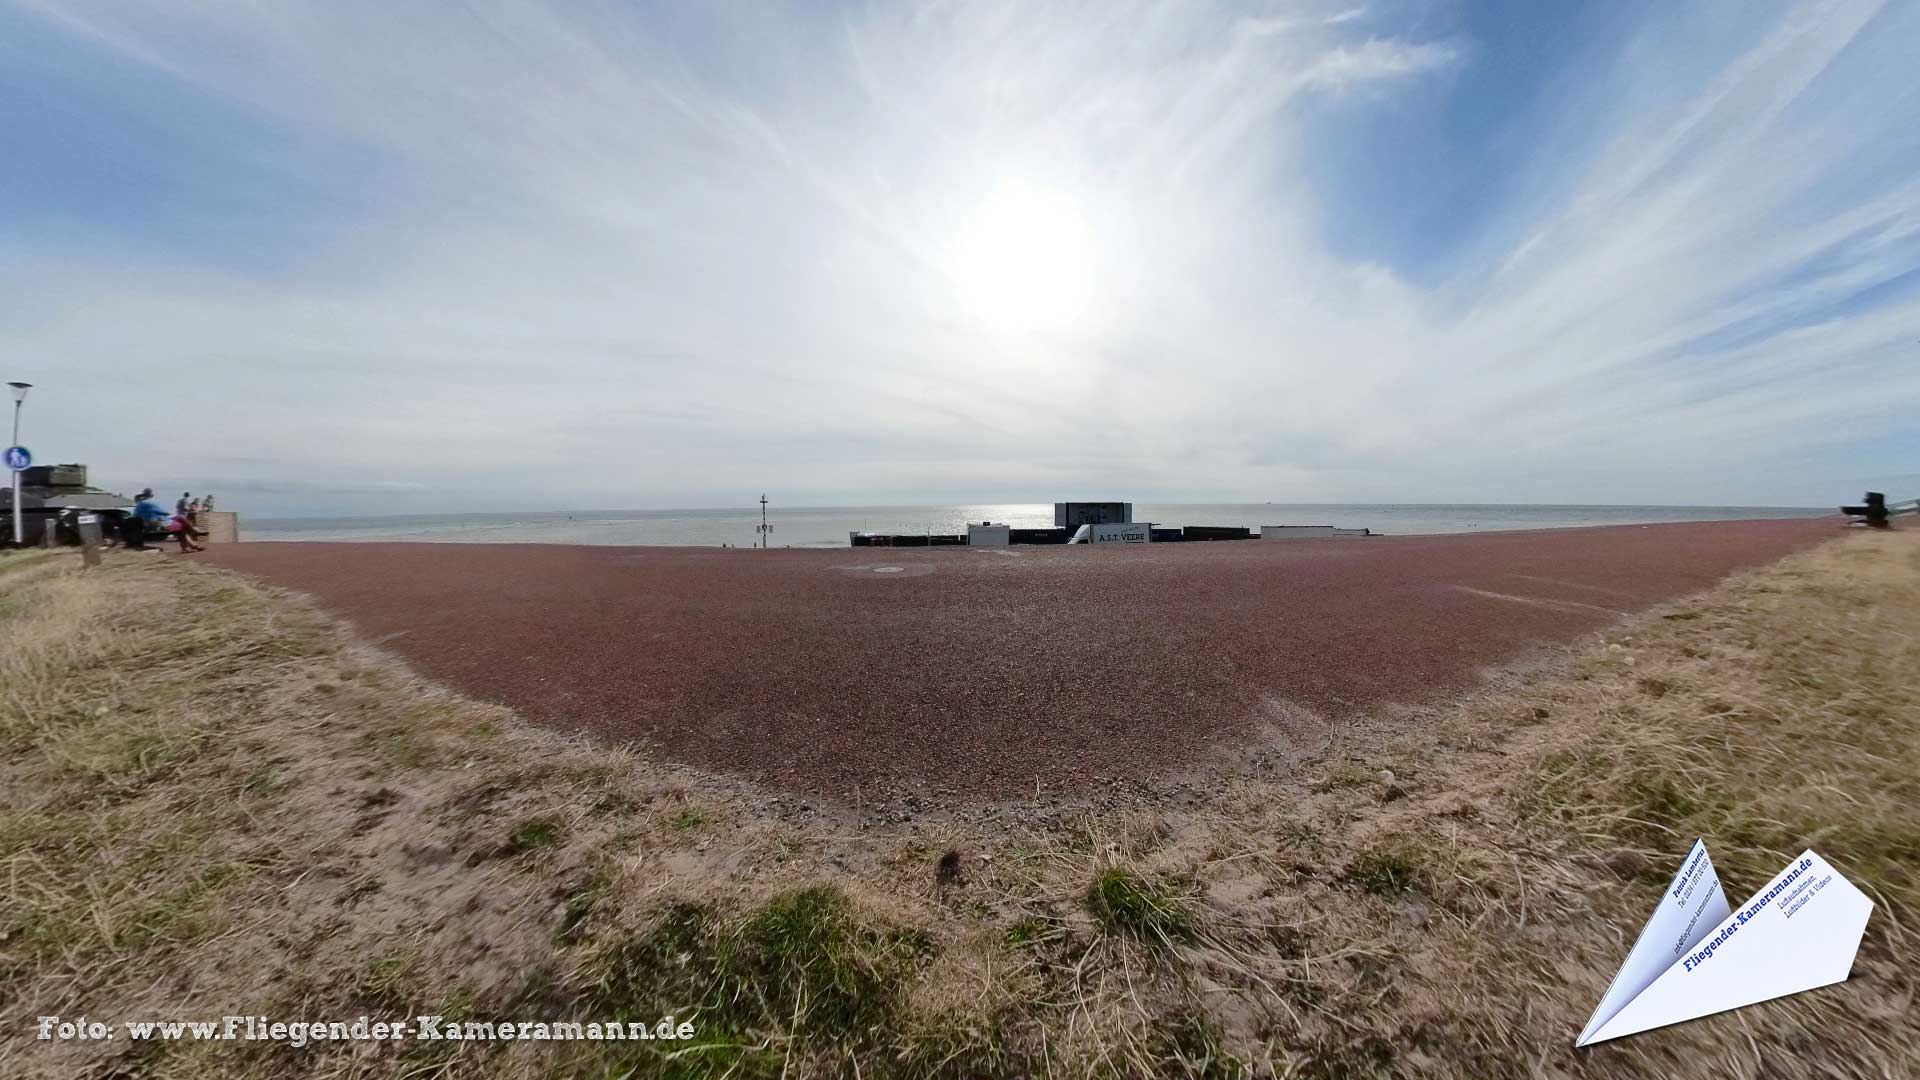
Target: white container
pixel 989 535
pixel 1135 533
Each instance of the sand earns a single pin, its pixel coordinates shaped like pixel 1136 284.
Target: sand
pixel 982 673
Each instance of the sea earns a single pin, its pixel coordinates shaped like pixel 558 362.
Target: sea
pixel 829 526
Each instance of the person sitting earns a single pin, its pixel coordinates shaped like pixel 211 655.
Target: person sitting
pixel 182 529
pixel 146 514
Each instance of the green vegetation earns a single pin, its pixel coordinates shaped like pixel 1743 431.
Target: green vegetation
pixel 172 909
pixel 1370 1059
pixel 1035 931
pixel 532 835
pixel 1383 873
pixel 14 560
pixel 581 901
pixel 1151 909
pixel 1190 1046
pixel 804 972
pixel 387 980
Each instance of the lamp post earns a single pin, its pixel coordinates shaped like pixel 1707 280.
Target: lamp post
pixel 19 397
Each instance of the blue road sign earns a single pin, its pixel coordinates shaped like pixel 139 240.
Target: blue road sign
pixel 18 458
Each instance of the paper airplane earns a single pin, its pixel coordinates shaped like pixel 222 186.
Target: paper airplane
pixel 1697 957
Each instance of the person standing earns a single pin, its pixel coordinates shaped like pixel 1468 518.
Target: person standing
pixel 181 506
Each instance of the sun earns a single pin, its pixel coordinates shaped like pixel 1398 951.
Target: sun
pixel 1025 259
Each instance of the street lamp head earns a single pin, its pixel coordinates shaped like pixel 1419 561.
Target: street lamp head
pixel 20 390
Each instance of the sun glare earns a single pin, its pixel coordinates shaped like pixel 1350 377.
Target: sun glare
pixel 1025 260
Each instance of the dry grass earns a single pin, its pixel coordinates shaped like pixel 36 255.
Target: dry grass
pixel 216 802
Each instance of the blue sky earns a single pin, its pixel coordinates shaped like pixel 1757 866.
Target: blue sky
pixel 527 256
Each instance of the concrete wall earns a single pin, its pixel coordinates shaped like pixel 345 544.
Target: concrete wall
pixel 1305 532
pixel 222 526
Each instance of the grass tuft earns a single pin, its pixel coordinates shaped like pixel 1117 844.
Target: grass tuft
pixel 1035 931
pixel 1385 873
pixel 581 900
pixel 805 971
pixel 532 835
pixel 1190 1046
pixel 1150 909
pixel 1369 1059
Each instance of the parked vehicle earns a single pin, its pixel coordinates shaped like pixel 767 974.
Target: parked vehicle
pixel 1139 532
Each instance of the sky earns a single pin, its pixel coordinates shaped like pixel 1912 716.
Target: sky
pixel 366 258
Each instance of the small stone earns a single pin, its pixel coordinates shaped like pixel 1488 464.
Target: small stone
pixel 1385 775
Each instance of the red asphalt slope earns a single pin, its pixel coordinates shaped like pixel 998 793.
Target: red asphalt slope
pixel 976 670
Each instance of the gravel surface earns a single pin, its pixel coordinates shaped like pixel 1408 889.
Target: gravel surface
pixel 981 673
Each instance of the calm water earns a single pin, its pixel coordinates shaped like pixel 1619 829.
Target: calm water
pixel 829 526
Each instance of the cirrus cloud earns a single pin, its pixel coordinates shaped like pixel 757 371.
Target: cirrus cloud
pixel 532 255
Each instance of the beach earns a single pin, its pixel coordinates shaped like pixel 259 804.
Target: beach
pixel 960 541
pixel 979 673
pixel 221 798
pixel 828 526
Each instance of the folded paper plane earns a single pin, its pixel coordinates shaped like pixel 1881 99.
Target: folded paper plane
pixel 1697 956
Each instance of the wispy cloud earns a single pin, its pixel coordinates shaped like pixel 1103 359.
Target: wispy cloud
pixel 985 251
pixel 1345 66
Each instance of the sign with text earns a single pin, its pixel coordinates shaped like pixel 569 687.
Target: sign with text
pixel 88 526
pixel 1697 956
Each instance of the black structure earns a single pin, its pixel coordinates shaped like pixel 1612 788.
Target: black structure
pixel 51 499
pixel 1068 517
pixel 1214 532
pixel 908 540
pixel 1162 534
pixel 1071 515
pixel 1874 513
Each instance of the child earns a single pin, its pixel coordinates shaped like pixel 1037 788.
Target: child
pixel 182 529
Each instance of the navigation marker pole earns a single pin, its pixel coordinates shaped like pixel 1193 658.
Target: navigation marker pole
pixel 765 528
pixel 19 398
